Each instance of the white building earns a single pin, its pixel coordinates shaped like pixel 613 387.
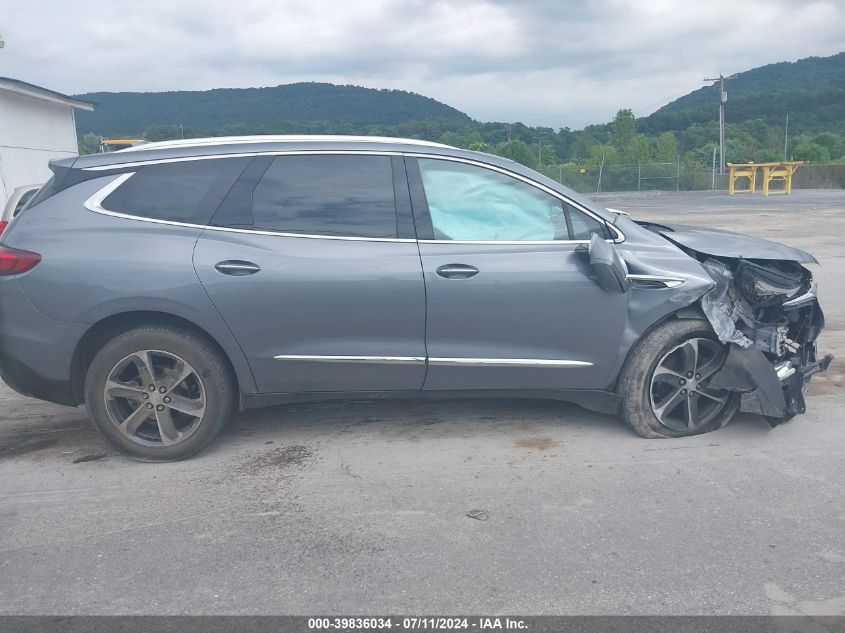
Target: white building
pixel 36 126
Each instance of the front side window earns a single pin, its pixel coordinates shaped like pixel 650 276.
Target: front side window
pixel 471 203
pixel 582 226
pixel 332 195
pixel 182 191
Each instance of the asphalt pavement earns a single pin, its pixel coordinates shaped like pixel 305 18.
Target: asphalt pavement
pixel 495 506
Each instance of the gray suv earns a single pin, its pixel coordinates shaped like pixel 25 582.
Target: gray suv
pixel 167 285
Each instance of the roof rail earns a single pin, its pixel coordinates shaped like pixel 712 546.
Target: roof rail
pixel 283 138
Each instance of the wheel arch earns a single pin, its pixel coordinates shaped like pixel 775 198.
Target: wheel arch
pixel 110 326
pixel 690 312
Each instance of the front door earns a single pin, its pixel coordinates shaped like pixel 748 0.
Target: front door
pixel 313 266
pixel 510 299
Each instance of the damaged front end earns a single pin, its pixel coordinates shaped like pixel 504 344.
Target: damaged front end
pixel 768 314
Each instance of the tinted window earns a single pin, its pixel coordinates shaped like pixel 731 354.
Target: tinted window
pixel 473 203
pixel 26 197
pixel 188 191
pixel 327 195
pixel 582 226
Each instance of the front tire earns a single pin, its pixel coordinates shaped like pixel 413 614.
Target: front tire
pixel 159 393
pixel 664 383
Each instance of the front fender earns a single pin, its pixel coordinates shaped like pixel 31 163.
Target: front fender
pixel 649 301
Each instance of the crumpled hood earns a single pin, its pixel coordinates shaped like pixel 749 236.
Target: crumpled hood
pixel 727 244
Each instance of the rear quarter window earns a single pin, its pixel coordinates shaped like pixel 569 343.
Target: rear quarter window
pixel 187 191
pixel 26 197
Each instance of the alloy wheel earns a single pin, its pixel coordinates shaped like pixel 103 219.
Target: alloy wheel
pixel 154 398
pixel 680 396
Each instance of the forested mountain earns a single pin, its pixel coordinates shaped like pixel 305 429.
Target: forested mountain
pixel 212 111
pixel 810 74
pixel 811 91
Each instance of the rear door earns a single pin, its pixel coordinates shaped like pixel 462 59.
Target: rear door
pixel 511 300
pixel 312 262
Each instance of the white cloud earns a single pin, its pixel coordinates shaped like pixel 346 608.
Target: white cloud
pixel 536 61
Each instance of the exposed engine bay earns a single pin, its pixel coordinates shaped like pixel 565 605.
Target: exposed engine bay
pixel 767 312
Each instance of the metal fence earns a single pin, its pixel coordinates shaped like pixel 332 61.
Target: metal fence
pixel 676 176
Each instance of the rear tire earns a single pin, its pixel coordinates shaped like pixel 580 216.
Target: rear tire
pixel 663 384
pixel 159 393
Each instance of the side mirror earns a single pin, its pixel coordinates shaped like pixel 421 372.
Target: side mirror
pixel 610 269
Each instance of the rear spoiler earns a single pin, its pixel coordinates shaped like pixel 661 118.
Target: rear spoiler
pixel 64 176
pixel 60 167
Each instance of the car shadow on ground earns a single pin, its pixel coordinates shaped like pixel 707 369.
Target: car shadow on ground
pixel 66 433
pixel 524 421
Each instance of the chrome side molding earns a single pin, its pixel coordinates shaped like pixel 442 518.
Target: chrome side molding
pixel 388 360
pixel 657 280
pixel 440 361
pixel 509 362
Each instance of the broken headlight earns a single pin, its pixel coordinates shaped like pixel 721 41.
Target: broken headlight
pixel 772 283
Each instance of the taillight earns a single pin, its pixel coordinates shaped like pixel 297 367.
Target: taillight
pixel 14 261
pixel 3 225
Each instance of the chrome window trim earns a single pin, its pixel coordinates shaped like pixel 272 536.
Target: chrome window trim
pixel 507 242
pixel 94 203
pixel 182 159
pixel 508 362
pixel 390 360
pixel 282 138
pixel 620 237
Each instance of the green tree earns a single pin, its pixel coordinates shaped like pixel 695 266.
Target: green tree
pixel 640 149
pixel 666 148
pixel 623 131
pixel 583 146
pixel 812 152
pixel 550 157
pixel 89 144
pixel 517 150
pixel 835 145
pixel 703 155
pixel 480 146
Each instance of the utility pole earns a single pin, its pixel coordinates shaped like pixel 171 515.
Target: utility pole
pixel 786 136
pixel 601 169
pixel 723 96
pixel 713 186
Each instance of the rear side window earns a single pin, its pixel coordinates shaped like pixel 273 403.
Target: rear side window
pixel 188 191
pixel 331 195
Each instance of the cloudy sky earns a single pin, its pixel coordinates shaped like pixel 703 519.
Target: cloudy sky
pixel 556 63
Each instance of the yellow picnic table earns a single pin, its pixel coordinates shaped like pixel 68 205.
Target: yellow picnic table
pixel 781 170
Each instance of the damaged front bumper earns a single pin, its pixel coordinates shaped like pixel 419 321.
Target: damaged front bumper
pixel 775 391
pixel 771 344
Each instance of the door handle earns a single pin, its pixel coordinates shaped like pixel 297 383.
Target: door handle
pixel 457 271
pixel 237 267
